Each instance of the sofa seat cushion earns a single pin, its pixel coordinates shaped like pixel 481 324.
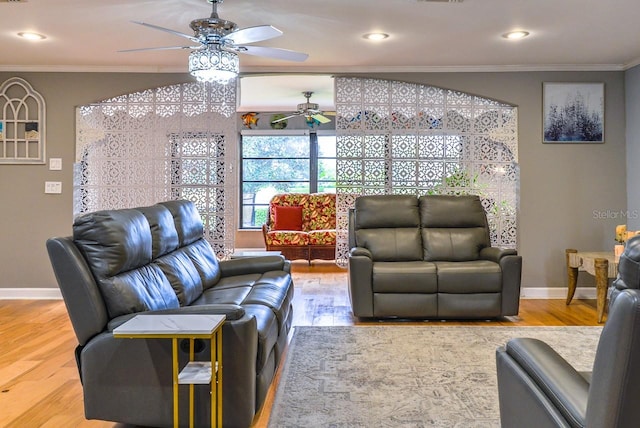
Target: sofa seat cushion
pixel 274 291
pixel 234 295
pixel 405 277
pixel 322 237
pixel 479 276
pixel 287 237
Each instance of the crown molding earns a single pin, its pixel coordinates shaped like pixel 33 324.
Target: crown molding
pixel 632 64
pixel 329 69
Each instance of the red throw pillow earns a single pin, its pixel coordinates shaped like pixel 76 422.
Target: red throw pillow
pixel 287 218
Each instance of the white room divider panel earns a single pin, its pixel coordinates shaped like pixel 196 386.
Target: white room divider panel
pixel 404 138
pixel 172 142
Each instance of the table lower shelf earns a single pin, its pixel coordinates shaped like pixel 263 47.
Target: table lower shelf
pixel 196 373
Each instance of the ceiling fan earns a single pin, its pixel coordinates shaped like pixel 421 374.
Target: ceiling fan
pixel 218 42
pixel 310 111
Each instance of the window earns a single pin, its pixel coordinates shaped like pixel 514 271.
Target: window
pixel 273 163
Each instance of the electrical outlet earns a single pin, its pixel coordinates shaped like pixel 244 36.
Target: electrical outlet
pixel 52 187
pixel 55 164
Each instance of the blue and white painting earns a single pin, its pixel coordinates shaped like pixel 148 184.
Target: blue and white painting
pixel 573 112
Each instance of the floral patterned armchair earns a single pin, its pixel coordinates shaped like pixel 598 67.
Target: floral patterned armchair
pixel 302 225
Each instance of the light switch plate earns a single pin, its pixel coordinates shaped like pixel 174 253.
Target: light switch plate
pixel 52 187
pixel 55 164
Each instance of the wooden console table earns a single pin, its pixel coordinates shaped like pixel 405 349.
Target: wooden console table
pixel 602 265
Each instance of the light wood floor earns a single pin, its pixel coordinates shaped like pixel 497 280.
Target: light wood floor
pixel 39 385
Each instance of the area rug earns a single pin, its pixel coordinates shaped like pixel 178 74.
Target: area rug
pixel 405 376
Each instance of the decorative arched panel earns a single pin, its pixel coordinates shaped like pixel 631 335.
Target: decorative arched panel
pixel 22 123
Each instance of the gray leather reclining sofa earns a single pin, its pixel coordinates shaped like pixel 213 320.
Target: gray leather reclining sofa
pixel 428 257
pixel 154 260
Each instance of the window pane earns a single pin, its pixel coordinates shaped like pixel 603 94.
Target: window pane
pixel 327 187
pixel 266 146
pixel 281 164
pixel 275 169
pixel 326 146
pixel 327 169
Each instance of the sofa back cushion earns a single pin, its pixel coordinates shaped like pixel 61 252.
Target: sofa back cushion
pixel 389 227
pixel 118 248
pixel 322 211
pixel 290 200
pixel 164 236
pixel 454 228
pixel 187 221
pixel 148 258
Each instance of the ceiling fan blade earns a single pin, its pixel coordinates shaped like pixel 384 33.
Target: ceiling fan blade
pixel 253 34
pixel 161 48
pixel 320 118
pixel 329 113
pixel 168 30
pixel 274 53
pixel 284 118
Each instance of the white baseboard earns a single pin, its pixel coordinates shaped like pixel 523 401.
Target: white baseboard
pixel 525 293
pixel 30 294
pixel 556 293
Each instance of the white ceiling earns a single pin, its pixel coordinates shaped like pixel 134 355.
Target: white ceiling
pixel 85 35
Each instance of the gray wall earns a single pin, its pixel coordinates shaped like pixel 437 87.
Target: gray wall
pixel 569 194
pixel 632 100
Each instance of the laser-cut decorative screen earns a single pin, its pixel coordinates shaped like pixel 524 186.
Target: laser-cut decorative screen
pixel 172 142
pixel 403 138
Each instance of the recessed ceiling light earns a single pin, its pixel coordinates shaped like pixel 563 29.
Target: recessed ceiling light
pixel 31 36
pixel 515 35
pixel 375 36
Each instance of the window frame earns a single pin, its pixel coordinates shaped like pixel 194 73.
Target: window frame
pixel 314 159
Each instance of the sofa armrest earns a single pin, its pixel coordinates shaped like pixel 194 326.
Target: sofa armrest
pixel 494 254
pixel 247 265
pixel 563 386
pixel 361 281
pixel 232 312
pixel 360 251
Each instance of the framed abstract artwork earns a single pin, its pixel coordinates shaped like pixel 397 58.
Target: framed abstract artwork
pixel 573 112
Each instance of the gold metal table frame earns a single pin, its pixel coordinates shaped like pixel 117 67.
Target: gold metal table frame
pixel 176 327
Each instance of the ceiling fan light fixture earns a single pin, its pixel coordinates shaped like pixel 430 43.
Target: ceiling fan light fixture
pixel 214 65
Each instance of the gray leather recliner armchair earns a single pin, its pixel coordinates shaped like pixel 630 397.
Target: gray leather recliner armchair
pixel 628 269
pixel 538 388
pixel 428 257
